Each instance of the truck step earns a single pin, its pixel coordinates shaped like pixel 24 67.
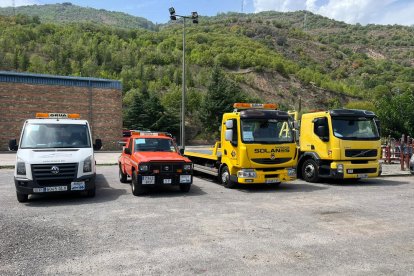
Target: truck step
pixel 207 170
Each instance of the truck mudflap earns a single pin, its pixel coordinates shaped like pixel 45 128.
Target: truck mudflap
pixel 267 177
pixel 84 183
pixel 347 170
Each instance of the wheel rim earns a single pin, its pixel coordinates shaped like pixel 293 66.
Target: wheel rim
pixel 309 170
pixel 225 176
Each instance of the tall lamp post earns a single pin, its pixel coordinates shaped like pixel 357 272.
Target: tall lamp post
pixel 194 18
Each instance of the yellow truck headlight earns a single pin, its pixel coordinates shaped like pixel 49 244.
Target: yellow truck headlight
pixel 247 173
pixel 340 168
pixel 291 171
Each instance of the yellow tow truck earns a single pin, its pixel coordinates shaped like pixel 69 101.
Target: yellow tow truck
pixel 338 144
pixel 257 145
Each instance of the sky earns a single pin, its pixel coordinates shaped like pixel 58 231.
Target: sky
pixel 349 11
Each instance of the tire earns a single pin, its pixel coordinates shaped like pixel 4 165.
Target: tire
pixel 310 171
pixel 137 188
pixel 91 192
pixel 185 188
pixel 225 178
pixel 22 197
pixel 122 176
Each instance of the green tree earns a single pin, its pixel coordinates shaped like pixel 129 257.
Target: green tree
pixel 222 93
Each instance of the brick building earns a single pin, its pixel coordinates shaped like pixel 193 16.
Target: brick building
pixel 97 100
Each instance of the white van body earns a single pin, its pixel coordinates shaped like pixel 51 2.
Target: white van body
pixel 55 155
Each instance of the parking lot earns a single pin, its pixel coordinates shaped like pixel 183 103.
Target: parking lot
pixel 298 228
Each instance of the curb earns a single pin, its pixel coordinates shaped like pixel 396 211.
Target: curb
pixel 390 175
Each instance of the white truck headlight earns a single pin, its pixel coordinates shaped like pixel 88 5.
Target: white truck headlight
pixel 247 173
pixel 143 167
pixel 340 168
pixel 21 168
pixel 87 164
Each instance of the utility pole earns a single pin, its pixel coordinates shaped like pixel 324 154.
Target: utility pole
pixel 183 96
pixel 14 7
pixel 242 6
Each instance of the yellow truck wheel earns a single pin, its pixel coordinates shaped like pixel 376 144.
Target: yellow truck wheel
pixel 225 178
pixel 310 171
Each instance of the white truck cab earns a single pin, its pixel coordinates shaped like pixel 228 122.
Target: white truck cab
pixel 56 154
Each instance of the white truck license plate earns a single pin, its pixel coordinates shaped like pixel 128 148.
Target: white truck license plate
pixel 148 179
pixel 167 181
pixel 185 178
pixel 77 186
pixel 50 189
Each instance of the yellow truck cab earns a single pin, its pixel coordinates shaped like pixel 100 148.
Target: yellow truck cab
pixel 340 143
pixel 256 146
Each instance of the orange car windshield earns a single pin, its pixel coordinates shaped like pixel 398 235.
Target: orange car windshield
pixel 154 145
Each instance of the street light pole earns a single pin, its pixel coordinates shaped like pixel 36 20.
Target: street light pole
pixel 183 94
pixel 194 17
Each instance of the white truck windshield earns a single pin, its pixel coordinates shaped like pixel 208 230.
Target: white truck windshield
pixel 355 128
pixel 43 136
pixel 266 131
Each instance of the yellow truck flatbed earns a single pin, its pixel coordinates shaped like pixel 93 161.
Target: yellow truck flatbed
pixel 208 153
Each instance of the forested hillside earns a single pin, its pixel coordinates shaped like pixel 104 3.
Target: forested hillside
pixel 270 56
pixel 69 13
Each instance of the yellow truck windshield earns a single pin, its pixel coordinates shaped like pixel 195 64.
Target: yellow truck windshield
pixel 355 128
pixel 266 131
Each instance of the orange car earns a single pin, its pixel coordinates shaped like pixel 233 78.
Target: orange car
pixel 152 159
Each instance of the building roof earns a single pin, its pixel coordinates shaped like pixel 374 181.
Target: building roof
pixel 42 79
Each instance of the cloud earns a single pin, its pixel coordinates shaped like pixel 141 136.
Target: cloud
pixel 9 3
pixel 350 11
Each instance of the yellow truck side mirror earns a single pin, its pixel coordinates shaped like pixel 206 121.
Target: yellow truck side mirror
pixel 229 135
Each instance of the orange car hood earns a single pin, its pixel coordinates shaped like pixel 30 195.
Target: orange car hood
pixel 150 156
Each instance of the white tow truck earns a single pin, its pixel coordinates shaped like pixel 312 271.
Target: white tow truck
pixel 56 154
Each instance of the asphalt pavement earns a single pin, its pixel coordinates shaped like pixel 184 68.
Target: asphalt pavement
pixel 296 229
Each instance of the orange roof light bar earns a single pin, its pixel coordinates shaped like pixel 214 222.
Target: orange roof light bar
pixel 148 133
pixel 74 116
pixel 255 105
pixel 42 115
pixel 57 116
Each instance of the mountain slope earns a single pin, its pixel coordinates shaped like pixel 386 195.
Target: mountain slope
pixel 269 56
pixel 69 13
